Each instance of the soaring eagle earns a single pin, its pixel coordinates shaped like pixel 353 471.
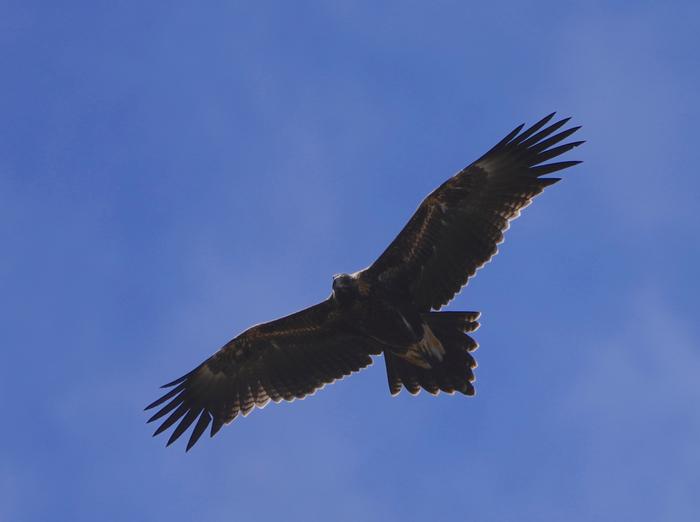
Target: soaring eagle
pixel 391 307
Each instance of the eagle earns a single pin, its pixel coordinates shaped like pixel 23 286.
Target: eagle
pixel 391 307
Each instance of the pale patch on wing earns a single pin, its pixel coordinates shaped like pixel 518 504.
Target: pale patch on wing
pixel 206 373
pixel 418 240
pixel 488 165
pixel 259 333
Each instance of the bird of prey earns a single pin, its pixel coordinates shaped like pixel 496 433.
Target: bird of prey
pixel 390 308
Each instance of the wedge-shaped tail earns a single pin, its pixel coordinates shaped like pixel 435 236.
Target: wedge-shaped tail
pixel 454 373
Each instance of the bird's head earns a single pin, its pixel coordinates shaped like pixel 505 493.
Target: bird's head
pixel 344 287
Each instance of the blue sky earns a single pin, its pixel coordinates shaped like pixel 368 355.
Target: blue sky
pixel 171 174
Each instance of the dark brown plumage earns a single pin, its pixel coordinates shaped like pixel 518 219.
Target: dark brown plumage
pixel 390 307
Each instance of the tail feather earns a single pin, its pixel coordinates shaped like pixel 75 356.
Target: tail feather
pixel 454 372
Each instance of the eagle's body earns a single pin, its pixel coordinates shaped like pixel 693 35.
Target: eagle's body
pixel 390 308
pixel 389 318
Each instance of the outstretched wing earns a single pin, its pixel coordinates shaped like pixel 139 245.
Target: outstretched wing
pixel 281 360
pixel 457 228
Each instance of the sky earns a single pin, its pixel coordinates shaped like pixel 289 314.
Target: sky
pixel 174 172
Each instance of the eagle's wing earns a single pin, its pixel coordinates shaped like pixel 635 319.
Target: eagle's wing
pixel 281 360
pixel 457 228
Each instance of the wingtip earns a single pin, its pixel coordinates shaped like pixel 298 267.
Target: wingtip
pixel 166 397
pixel 192 441
pixel 548 182
pixel 176 433
pixel 179 379
pixel 526 135
pixel 154 404
pixel 173 383
pixel 155 416
pixel 544 121
pixel 190 445
pixel 216 425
